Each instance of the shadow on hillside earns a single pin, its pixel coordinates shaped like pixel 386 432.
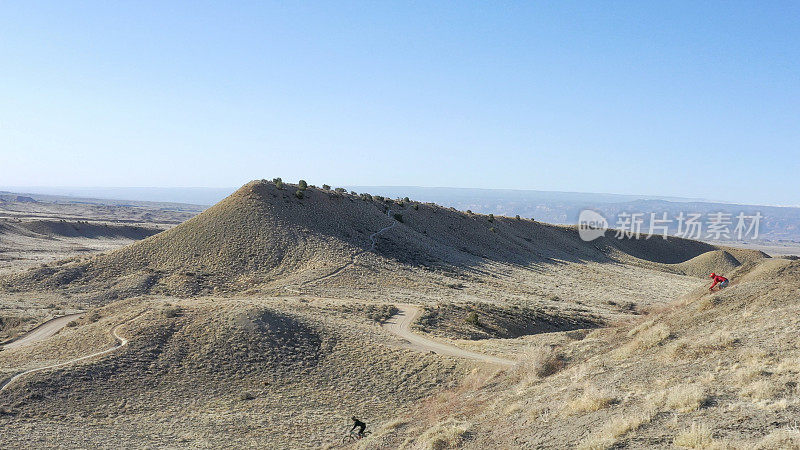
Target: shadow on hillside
pixel 435 237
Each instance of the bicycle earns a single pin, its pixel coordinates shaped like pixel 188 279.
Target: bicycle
pixel 353 437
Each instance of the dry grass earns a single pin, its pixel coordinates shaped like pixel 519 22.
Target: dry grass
pixel 790 364
pixel 645 339
pixel 784 438
pixel 445 435
pixel 686 398
pixel 641 327
pixel 696 436
pixel 614 430
pixel 592 399
pixel 762 390
pixel 699 346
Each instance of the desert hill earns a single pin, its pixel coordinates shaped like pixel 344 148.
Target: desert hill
pixel 266 236
pixel 216 373
pixel 76 229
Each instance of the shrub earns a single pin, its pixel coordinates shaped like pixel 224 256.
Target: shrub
pixel 546 361
pixel 327 187
pixel 366 197
pixel 381 313
pixel 406 200
pixel 469 211
pixel 353 193
pixel 341 190
pixel 398 217
pixel 416 206
pixel 278 183
pixel 172 311
pixel 299 194
pixel 277 180
pixel 491 217
pixel 245 396
pixel 492 230
pixel 472 319
pixel 302 184
pixel 378 198
pixel 517 217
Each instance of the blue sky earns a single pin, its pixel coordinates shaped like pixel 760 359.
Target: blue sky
pixel 677 98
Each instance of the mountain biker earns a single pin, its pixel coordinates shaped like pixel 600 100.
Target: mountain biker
pixel 723 282
pixel 358 424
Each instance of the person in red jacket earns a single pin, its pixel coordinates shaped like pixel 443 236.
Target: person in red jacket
pixel 723 282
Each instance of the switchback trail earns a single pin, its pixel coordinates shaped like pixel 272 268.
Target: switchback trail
pixel 400 325
pixel 41 332
pixel 121 342
pixel 373 242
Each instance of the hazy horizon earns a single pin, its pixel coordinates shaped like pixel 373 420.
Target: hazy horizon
pixel 194 194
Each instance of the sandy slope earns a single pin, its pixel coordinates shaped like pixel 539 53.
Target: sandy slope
pixel 400 323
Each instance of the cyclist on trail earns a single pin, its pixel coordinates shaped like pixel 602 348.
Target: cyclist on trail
pixel 723 282
pixel 358 424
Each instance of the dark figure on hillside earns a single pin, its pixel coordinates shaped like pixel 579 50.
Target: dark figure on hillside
pixel 723 282
pixel 360 425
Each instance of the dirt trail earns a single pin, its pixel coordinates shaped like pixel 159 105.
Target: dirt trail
pixel 122 341
pixel 41 332
pixel 374 241
pixel 400 325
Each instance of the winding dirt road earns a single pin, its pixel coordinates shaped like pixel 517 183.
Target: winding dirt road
pixel 41 332
pixel 121 342
pixel 400 325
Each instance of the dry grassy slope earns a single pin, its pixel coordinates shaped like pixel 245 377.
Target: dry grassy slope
pixel 265 236
pixel 681 256
pixel 712 371
pixel 217 373
pixel 717 261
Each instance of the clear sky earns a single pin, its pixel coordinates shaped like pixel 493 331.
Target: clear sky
pixel 693 99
